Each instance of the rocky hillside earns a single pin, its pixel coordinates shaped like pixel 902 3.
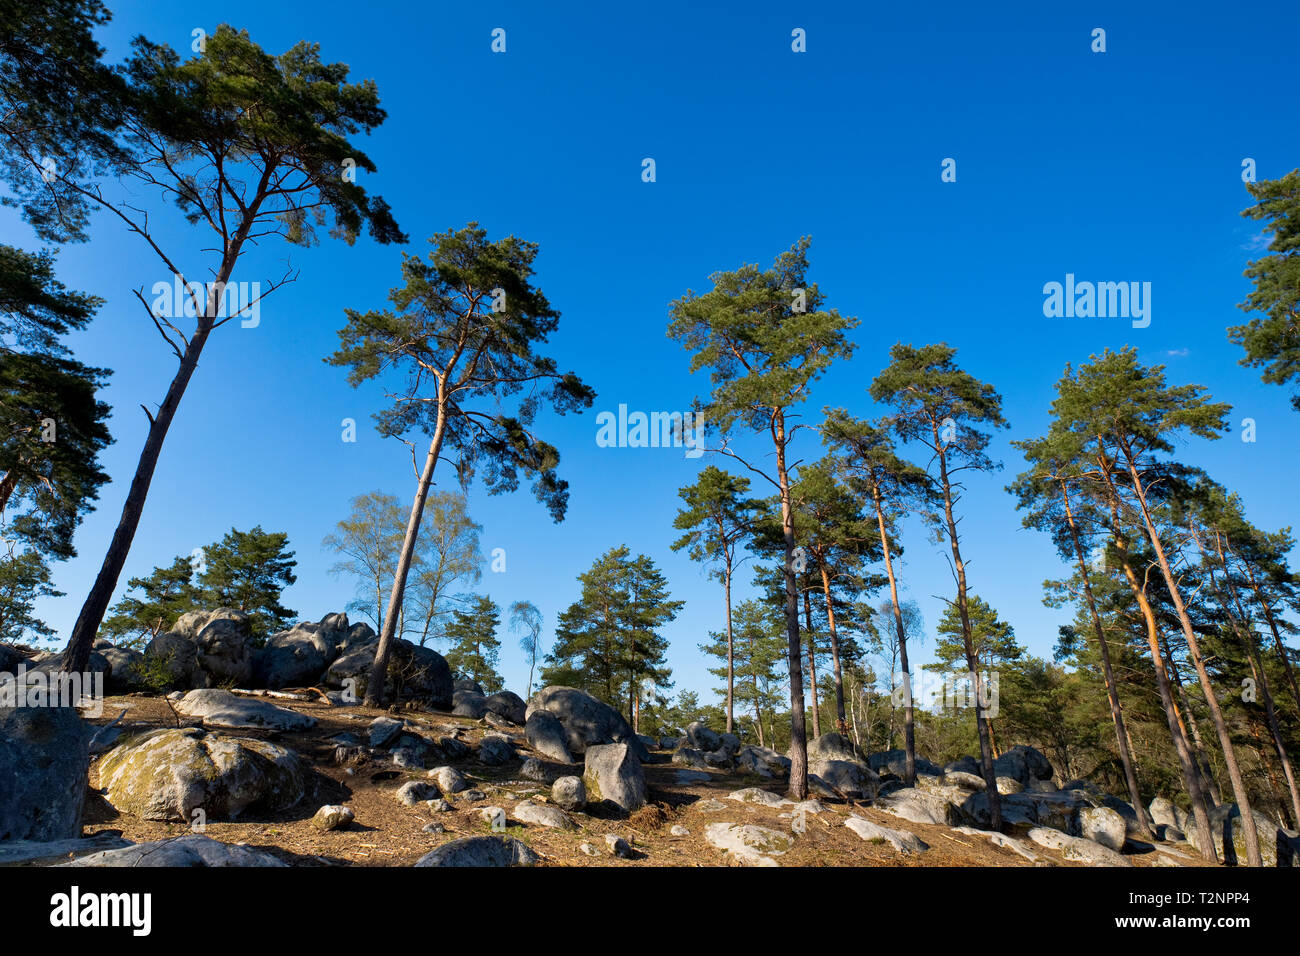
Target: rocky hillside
pixel 261 756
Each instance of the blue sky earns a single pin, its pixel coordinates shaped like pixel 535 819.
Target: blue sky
pixel 1119 166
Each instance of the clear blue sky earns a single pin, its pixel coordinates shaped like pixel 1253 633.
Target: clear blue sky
pixel 1117 166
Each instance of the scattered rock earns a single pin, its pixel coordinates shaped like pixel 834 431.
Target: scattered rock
pixel 587 721
pixel 901 840
pixel 480 851
pixel 749 844
pixel 332 817
pixel 414 792
pixel 678 830
pixel 763 797
pixel 383 731
pixel 494 817
pixel 569 793
pixel 434 828
pixel 222 710
pixel 1077 849
pixel 44 759
pixel 546 735
pixel 495 751
pixel 508 705
pixel 613 774
pixel 449 779
pixel 1103 825
pixel 192 849
pixel 543 816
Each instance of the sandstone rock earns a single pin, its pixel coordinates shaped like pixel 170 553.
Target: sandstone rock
pixel 901 840
pixel 414 792
pixel 1103 825
pixel 748 844
pixel 702 738
pixel 222 710
pixel 449 779
pixel 755 795
pixel 1077 849
pixel 192 849
pixel 508 705
pixel 587 721
pixel 495 751
pixel 332 817
pixel 895 762
pixel 613 773
pixel 569 793
pixel 1277 847
pixel 546 735
pixel 173 656
pixel 480 851
pixel 466 703
pixel 543 816
pixel 168 774
pixel 618 846
pixel 44 760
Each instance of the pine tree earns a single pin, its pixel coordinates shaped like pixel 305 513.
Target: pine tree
pixel 474 646
pixel 247 570
pixel 164 595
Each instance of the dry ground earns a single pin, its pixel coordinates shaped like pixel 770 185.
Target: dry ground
pixel 386 833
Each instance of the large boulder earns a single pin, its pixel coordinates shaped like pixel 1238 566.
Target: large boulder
pixel 702 738
pixel 546 735
pixel 840 768
pixel 225 711
pixel 225 646
pixel 1277 847
pixel 480 851
pixel 1103 825
pixel 613 774
pixel 925 806
pixel 169 774
pixel 414 672
pixel 761 762
pixel 299 656
pixel 124 668
pixel 1024 764
pixel 587 721
pixel 747 844
pixel 1164 813
pixel 192 849
pixel 466 703
pixel 1077 849
pixel 895 762
pixel 509 705
pixel 173 658
pixel 44 759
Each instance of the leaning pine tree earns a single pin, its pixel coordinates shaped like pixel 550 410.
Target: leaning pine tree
pixel 249 146
pixel 462 330
pixel 765 338
pixel 945 409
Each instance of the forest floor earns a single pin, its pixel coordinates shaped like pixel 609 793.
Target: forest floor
pixel 386 833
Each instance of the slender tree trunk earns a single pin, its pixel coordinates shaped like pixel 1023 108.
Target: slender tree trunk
pixel 1277 639
pixel 909 717
pixel 1108 673
pixel 1249 831
pixel 798 732
pixel 77 655
pixel 1192 729
pixel 1191 773
pixel 758 710
pixel 963 610
pixel 379 672
pixel 841 724
pixel 812 662
pixel 731 657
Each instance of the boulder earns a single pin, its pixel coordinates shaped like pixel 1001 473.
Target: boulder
pixel 414 672
pixel 173 657
pixel 466 703
pixel 1277 847
pixel 1103 825
pixel 685 756
pixel 508 705
pixel 192 849
pixel 1163 812
pixel 761 762
pixel 965 765
pixel 967 781
pixel 613 774
pixel 756 795
pixel 569 793
pixel 895 762
pixel 449 780
pixel 224 644
pixel 1077 849
pixel 383 731
pixel 587 721
pixel 332 817
pixel 480 851
pixel 463 683
pixel 901 840
pixel 495 751
pixel 547 736
pixel 299 656
pixel 540 815
pixel 222 710
pixel 44 760
pixel 843 778
pixel 168 774
pixel 414 792
pixel 1024 764
pixel 925 806
pixel 747 844
pixel 702 738
pixel 124 668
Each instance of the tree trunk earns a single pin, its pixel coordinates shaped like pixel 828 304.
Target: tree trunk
pixel 1277 639
pixel 798 732
pixel 77 655
pixel 841 724
pixel 909 718
pixel 379 672
pixel 1108 673
pixel 963 610
pixel 1191 773
pixel 731 657
pixel 812 662
pixel 1250 833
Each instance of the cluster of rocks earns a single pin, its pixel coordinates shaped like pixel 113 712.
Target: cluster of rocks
pixel 218 648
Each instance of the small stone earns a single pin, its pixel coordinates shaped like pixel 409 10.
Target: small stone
pixel 679 830
pixel 434 828
pixel 618 846
pixel 569 793
pixel 332 817
pixel 588 849
pixel 414 791
pixel 494 817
